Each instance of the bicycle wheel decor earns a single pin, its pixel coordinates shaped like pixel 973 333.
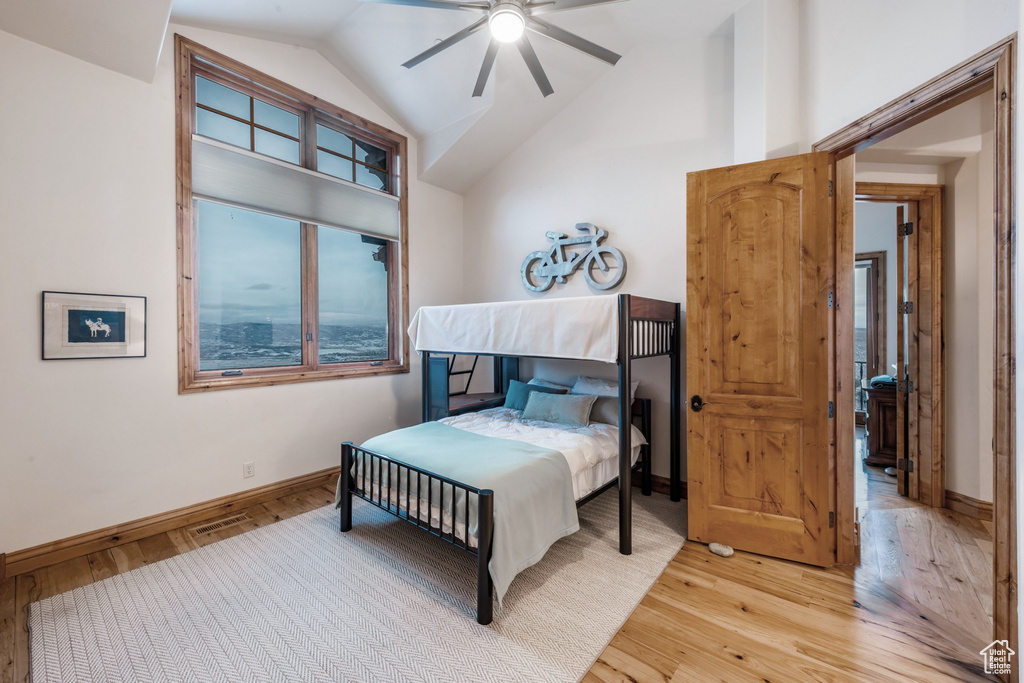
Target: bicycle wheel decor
pixel 534 281
pixel 603 266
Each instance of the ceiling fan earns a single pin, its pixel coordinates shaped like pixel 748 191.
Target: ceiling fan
pixel 508 21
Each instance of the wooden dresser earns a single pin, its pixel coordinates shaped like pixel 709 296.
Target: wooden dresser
pixel 881 427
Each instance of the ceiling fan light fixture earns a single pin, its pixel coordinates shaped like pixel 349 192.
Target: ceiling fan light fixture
pixel 507 21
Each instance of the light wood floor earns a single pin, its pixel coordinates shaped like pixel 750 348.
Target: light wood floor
pixel 707 618
pixel 917 609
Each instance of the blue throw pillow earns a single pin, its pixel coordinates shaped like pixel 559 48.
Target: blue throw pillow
pixel 519 392
pixel 570 410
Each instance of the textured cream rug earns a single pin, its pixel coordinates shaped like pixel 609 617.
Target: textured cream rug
pixel 300 601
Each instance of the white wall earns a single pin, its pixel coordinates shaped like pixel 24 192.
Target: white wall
pixel 767 106
pixel 860 55
pixel 617 157
pixel 87 204
pixel 970 292
pixel 875 230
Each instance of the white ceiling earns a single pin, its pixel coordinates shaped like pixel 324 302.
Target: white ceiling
pixel 460 137
pixel 122 35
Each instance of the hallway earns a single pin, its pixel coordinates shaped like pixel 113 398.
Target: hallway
pixel 935 557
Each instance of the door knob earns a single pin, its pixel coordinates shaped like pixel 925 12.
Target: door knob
pixel 697 403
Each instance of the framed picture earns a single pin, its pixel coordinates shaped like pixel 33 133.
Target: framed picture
pixel 93 326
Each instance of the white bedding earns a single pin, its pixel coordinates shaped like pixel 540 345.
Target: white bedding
pixel 584 327
pixel 591 451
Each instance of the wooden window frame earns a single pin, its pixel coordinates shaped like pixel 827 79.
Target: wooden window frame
pixel 877 295
pixel 190 58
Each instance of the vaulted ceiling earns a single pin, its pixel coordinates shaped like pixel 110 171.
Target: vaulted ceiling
pixel 460 136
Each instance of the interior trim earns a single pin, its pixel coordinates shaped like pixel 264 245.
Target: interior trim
pixel 972 507
pixel 46 554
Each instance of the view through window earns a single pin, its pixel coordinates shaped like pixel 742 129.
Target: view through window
pixel 293 233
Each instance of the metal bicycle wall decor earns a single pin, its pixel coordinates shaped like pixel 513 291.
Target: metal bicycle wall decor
pixel 604 266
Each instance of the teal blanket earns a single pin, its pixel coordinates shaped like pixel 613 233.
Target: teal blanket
pixel 533 498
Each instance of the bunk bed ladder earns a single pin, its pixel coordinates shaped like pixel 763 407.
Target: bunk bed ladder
pixel 453 372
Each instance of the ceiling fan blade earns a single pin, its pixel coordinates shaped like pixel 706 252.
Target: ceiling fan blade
pixel 545 6
pixel 572 40
pixel 485 68
pixel 446 43
pixel 526 49
pixel 433 4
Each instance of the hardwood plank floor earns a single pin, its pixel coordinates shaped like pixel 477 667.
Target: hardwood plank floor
pixel 707 618
pixel 918 608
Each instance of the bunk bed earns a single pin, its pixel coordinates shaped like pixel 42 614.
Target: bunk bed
pixel 418 480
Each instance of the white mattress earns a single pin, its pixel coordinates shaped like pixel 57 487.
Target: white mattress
pixel 591 451
pixel 584 327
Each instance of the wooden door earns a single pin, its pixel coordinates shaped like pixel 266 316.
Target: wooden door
pixel 901 355
pixel 759 370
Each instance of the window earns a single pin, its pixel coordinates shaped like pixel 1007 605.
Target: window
pixel 291 232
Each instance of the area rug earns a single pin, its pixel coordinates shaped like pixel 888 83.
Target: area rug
pixel 300 601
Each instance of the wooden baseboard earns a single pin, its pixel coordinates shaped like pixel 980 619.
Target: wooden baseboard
pixel 27 560
pixel 658 484
pixel 972 507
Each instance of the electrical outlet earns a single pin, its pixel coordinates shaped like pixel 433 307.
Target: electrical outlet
pixel 248 470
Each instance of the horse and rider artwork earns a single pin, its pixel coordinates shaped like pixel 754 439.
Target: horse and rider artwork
pixel 81 325
pixel 93 326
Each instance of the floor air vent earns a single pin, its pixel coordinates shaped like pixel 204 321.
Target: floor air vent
pixel 219 524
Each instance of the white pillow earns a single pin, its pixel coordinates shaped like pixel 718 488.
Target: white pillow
pixel 602 387
pixel 537 381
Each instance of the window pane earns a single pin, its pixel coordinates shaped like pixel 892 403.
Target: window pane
pixel 371 177
pixel 222 128
pixel 250 288
pixel 374 156
pixel 353 297
pixel 860 336
pixel 274 117
pixel 332 165
pixel 222 98
pixel 276 146
pixel 328 138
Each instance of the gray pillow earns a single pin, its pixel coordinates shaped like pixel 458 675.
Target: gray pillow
pixel 547 383
pixel 606 409
pixel 518 392
pixel 570 410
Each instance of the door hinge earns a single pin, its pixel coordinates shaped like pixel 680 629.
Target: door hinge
pixel 830 188
pixel 831 299
pixel 831 409
pixel 905 386
pixel 905 464
pixel 831 520
pixel 904 229
pixel 905 307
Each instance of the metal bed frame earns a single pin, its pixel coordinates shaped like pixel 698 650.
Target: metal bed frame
pixel 647 328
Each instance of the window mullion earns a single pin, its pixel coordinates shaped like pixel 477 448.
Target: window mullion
pixel 310 261
pixel 310 299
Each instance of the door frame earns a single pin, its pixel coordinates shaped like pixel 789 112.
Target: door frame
pixel 877 306
pixel 926 407
pixel 993 68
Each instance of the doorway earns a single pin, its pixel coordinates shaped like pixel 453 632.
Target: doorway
pixel 870 324
pixel 993 69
